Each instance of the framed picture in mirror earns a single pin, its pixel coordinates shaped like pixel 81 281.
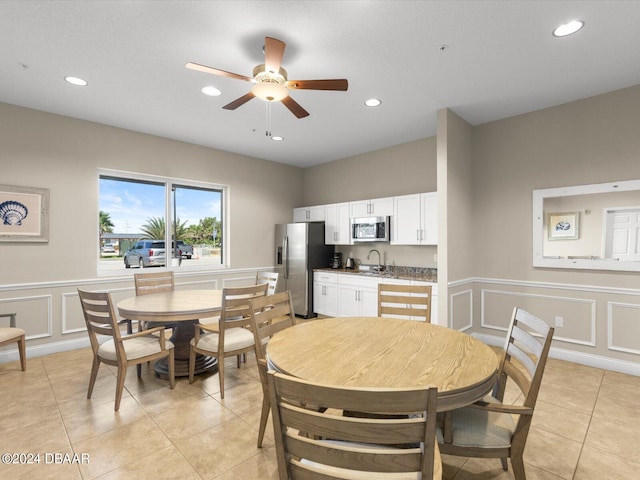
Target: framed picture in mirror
pixel 563 226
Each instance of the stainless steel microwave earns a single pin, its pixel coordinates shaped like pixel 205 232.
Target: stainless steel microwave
pixel 370 229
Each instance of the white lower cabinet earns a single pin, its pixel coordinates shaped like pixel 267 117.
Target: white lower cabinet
pixel 357 296
pixel 325 294
pixel 346 295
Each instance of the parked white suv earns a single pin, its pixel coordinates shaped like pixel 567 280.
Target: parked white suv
pixel 145 253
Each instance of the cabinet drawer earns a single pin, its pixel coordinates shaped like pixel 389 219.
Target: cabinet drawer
pixel 359 281
pixel 325 277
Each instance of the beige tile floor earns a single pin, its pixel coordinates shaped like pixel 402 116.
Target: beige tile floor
pixel 586 425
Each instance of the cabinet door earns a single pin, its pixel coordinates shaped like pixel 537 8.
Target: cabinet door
pixel 308 214
pixel 429 207
pixel 331 300
pixel 331 226
pixel 300 214
pixel 360 209
pixel 381 207
pixel 348 301
pixel 343 231
pixel 368 300
pixel 406 220
pixel 319 298
pixel 316 214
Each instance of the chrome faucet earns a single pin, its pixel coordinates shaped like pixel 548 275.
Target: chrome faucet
pixel 369 256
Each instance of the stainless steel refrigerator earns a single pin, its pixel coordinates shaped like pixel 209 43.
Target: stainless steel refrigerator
pixel 299 249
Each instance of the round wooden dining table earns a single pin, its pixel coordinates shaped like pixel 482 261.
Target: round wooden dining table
pixel 387 353
pixel 180 307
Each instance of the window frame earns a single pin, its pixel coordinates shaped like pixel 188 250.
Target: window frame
pixel 169 183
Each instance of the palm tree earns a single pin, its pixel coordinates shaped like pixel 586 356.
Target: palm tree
pixel 105 225
pixel 155 227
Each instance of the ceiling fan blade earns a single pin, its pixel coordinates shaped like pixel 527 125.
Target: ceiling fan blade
pixel 239 101
pixel 336 84
pixel 273 53
pixel 294 107
pixel 216 71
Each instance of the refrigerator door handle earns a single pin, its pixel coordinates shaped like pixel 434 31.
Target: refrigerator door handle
pixel 285 255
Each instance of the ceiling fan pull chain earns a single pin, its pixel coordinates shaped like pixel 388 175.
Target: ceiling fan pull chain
pixel 268 131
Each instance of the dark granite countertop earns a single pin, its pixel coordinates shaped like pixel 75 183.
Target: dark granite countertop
pixel 403 273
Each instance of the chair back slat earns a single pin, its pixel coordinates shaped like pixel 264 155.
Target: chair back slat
pixel 100 318
pixel 525 355
pixel 270 315
pixel 413 427
pixel 408 301
pixel 235 311
pixel 147 283
pixel 270 278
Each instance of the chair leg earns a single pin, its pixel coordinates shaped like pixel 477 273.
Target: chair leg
pixel 172 369
pixel 122 373
pixel 192 364
pixel 221 374
pixel 139 369
pixel 94 374
pixel 518 467
pixel 505 465
pixel 264 416
pixel 22 348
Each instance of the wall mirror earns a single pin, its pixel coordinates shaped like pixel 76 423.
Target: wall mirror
pixel 594 227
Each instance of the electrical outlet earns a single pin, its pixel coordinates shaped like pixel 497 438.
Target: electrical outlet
pixel 559 321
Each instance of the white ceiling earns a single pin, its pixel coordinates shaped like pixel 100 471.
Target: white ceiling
pixel 502 61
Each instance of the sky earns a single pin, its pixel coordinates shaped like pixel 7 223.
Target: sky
pixel 131 204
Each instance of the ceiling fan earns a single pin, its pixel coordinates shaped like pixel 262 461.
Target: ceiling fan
pixel 271 82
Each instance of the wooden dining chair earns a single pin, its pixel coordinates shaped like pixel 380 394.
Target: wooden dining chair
pixel 270 278
pixel 404 301
pixel 154 282
pixel 487 428
pixel 232 336
pixel 13 334
pixel 328 445
pixel 269 315
pixel 120 351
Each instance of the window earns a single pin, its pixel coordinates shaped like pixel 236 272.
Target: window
pixel 146 221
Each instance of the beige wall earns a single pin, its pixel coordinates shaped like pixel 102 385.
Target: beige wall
pixel 62 154
pixel 594 140
pixel 399 170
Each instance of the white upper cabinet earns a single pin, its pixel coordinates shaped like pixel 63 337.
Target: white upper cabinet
pixel 337 225
pixel 378 207
pixel 415 219
pixel 309 214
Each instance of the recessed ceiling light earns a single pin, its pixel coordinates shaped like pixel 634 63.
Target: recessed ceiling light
pixel 211 91
pixel 373 102
pixel 277 138
pixel 568 28
pixel 76 81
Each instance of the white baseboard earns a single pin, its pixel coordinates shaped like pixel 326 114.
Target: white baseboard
pixel 7 356
pixel 595 361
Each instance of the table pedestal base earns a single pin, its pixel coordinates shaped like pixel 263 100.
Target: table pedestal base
pixel 183 332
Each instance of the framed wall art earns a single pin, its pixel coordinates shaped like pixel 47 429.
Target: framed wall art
pixel 563 226
pixel 24 214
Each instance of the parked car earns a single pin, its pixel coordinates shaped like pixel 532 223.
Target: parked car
pixel 145 253
pixel 108 248
pixel 185 250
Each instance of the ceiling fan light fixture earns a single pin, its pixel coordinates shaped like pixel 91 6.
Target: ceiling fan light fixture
pixel 568 28
pixel 270 92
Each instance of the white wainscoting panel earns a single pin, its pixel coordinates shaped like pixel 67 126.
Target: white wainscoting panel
pixel 578 314
pixel 623 318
